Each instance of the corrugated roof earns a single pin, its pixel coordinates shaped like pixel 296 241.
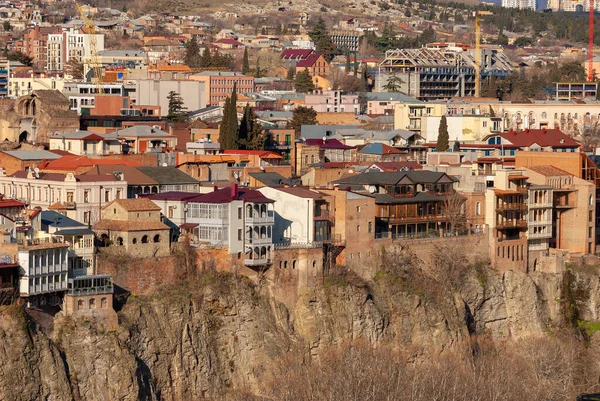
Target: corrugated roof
pixel 224 195
pixel 167 175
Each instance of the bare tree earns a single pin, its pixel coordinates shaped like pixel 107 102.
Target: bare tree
pixel 456 209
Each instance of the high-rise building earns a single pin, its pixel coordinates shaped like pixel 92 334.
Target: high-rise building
pixel 70 44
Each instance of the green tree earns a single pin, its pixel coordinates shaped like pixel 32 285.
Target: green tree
pixel 192 54
pixel 20 57
pixel 303 82
pixel 245 62
pixel 347 66
pixel 6 26
pixel 523 41
pixel 443 139
pixel 228 130
pixel 407 13
pixel 206 59
pixel 303 116
pixel 250 135
pixel 176 107
pixel 394 83
pixel 322 39
pixel 291 73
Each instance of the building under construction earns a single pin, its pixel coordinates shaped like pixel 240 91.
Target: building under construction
pixel 442 72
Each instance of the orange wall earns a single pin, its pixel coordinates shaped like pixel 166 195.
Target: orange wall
pixel 569 162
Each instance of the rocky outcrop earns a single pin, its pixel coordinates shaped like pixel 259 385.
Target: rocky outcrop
pixel 216 332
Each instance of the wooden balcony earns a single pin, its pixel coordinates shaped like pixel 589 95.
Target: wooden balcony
pixel 511 206
pixel 508 224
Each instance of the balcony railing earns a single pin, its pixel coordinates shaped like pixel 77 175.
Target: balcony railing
pixel 257 262
pixel 511 224
pixel 260 219
pixel 538 223
pixel 539 235
pixel 511 206
pixel 540 205
pixel 259 241
pixel 323 215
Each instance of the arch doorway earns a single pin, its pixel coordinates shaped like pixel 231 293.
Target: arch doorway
pixel 23 137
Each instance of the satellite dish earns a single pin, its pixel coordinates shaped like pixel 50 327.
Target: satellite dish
pixel 324 139
pixel 37 172
pixel 262 168
pixel 236 176
pixel 372 189
pixel 350 171
pixel 165 165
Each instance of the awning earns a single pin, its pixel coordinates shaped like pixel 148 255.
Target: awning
pixel 77 231
pixel 188 226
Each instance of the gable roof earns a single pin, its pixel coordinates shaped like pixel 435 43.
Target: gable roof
pixel 309 61
pixel 263 154
pixel 394 177
pixel 55 219
pixel 301 192
pixel 543 137
pixel 396 166
pixel 135 205
pixel 72 162
pixel 224 195
pixel 329 143
pixel 131 174
pixel 271 179
pixel 298 54
pixel 548 171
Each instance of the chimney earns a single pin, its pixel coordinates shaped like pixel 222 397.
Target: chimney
pixel 234 190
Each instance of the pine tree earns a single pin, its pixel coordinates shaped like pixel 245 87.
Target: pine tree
pixel 206 59
pixel 192 54
pixel 355 67
pixel 322 39
pixel 394 83
pixel 443 140
pixel 303 82
pixel 224 140
pixel 291 74
pixel 245 63
pixel 176 107
pixel 303 116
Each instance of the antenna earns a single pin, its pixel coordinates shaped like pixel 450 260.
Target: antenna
pixel 37 172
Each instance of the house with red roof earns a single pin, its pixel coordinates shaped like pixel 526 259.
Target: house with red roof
pixel 315 152
pixel 237 219
pixel 291 57
pixel 315 64
pixel 535 140
pixel 257 158
pixel 228 44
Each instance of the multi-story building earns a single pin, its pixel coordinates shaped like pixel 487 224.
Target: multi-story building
pixel 573 214
pixel 347 39
pixel 408 203
pixel 440 73
pixel 70 44
pixel 311 152
pixel 80 197
pixel 539 220
pixel 240 220
pixel 332 101
pixel 506 218
pixel 156 92
pixel 35 45
pixel 82 95
pixel 219 85
pixel 315 64
pixel 25 84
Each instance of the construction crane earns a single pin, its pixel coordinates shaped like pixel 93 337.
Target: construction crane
pixel 591 43
pixel 94 60
pixel 477 56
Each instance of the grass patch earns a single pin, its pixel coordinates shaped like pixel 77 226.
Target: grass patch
pixel 589 327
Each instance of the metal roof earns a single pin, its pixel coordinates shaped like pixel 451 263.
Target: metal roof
pixel 32 154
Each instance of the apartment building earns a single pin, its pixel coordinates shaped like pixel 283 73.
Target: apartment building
pixel 347 39
pixel 35 45
pixel 311 152
pixel 539 220
pixel 23 85
pixel 219 85
pixel 79 197
pixel 70 44
pixel 82 95
pixel 573 215
pixel 156 92
pixel 315 64
pixel 332 101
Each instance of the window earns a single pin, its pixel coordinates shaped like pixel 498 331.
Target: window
pixel 145 239
pixel 239 231
pixel 357 209
pixel 170 212
pixel 239 213
pixel 478 209
pixel 590 231
pixel 86 196
pixel 591 216
pixel 358 228
pixel 134 241
pixel 118 194
pixel 157 238
pixel 86 217
pixel 370 226
pixel 107 196
pixel 115 211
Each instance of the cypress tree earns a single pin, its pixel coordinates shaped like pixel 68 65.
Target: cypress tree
pixel 224 127
pixel 206 59
pixel 347 66
pixel 246 62
pixel 443 140
pixel 228 130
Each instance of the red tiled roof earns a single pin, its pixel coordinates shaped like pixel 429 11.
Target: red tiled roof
pixel 135 205
pixel 299 54
pixel 301 192
pixel 72 162
pixel 224 196
pixel 309 61
pixel 10 203
pixel 543 137
pixel 229 42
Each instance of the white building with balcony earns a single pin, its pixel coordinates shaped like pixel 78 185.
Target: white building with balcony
pixel 239 219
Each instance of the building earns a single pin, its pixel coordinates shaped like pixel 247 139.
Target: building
pixel 35 45
pixel 304 215
pixel 408 203
pixel 539 220
pixel 71 44
pixel 23 85
pixel 576 90
pixel 240 220
pixel 219 85
pixel 155 93
pixel 17 160
pixel 347 39
pixel 506 218
pixel 135 227
pixel 82 95
pixel 170 179
pixel 573 215
pixel 332 101
pixel 379 152
pixel 315 64
pixel 311 152
pixel 384 102
pixel 36 117
pixel 80 197
pixel 291 57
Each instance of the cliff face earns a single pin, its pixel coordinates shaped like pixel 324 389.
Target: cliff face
pixel 218 333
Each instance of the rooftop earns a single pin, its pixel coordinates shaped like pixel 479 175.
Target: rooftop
pixel 32 154
pixel 135 205
pixel 167 175
pixel 548 171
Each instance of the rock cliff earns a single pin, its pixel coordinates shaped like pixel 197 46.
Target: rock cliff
pixel 215 332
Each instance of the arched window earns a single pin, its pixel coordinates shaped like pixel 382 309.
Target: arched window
pixel 544 115
pixel 103 303
pixel 80 304
pixel 478 209
pixel 134 241
pixel 120 241
pixel 314 263
pixel 145 239
pixel 157 238
pixel 591 200
pixel 285 264
pixel 294 264
pixel 92 303
pixel 115 211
